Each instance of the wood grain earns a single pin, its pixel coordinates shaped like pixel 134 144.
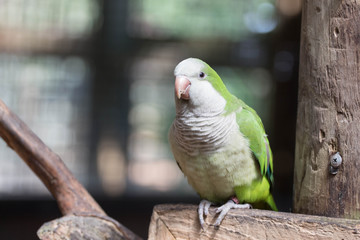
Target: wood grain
pixel 181 222
pixel 328 109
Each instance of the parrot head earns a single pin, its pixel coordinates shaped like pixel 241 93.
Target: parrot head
pixel 196 83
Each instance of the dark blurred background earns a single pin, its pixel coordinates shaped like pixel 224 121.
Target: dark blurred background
pixel 94 79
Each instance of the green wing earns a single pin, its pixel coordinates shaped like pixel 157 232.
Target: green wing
pixel 252 128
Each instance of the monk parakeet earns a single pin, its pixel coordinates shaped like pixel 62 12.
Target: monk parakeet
pixel 219 143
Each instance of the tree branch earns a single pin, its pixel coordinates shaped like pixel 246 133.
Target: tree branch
pixel 71 196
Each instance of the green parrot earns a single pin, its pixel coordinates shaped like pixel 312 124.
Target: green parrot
pixel 219 143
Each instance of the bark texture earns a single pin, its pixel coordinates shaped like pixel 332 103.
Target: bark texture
pixel 182 222
pixel 328 118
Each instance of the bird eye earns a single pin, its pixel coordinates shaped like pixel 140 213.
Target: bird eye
pixel 201 74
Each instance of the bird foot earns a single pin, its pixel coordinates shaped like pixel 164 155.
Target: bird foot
pixel 203 210
pixel 224 209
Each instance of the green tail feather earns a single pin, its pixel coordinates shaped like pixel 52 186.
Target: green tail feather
pixel 271 203
pixel 257 194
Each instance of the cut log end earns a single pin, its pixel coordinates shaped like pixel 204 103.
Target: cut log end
pixel 80 227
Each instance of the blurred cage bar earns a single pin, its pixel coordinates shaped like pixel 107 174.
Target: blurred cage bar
pixel 51 94
pixel 86 74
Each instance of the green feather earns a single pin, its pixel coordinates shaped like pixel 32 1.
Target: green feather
pixel 258 194
pixel 251 127
pixel 249 123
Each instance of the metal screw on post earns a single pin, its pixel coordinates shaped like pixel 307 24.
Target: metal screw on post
pixel 335 162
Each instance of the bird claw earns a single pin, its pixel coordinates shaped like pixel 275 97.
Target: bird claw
pixel 224 209
pixel 203 210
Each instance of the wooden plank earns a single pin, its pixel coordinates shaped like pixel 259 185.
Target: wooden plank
pixel 181 222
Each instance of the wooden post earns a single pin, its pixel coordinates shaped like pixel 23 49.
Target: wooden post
pixel 328 118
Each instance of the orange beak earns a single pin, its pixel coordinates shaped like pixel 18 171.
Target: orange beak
pixel 182 88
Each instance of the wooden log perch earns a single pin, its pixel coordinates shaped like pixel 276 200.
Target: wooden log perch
pixel 71 196
pixel 328 110
pixel 181 222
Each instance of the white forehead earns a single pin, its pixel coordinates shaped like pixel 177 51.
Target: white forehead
pixel 189 67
